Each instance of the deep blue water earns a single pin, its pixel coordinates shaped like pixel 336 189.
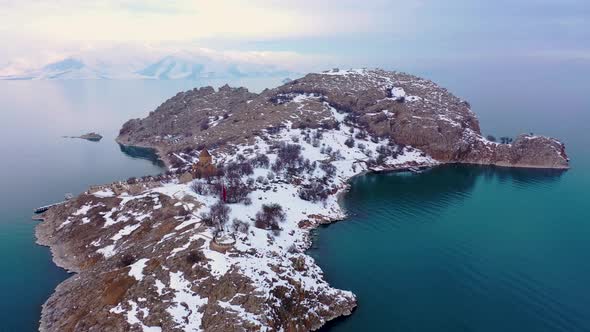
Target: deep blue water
pixel 39 166
pixel 467 248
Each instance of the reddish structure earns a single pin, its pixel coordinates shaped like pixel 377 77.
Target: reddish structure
pixel 204 168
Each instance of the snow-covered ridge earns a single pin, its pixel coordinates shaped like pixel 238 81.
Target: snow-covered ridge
pixel 170 67
pixel 279 249
pixel 271 260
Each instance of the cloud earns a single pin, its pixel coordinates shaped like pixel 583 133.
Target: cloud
pixel 369 32
pixel 39 31
pixel 179 20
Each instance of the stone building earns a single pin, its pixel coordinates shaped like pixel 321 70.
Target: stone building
pixel 204 168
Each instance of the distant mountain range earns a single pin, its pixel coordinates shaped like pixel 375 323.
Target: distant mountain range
pixel 171 67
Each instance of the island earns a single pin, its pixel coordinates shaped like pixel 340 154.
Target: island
pixel 93 137
pixel 218 242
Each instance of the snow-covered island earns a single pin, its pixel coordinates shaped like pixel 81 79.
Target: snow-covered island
pixel 218 242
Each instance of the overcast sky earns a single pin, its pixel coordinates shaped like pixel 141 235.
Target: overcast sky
pixel 344 32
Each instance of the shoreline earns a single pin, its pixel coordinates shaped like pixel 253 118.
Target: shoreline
pixel 268 263
pixel 60 255
pixel 64 259
pixel 155 150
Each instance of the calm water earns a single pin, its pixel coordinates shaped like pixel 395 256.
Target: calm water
pixel 457 248
pixel 474 248
pixel 39 166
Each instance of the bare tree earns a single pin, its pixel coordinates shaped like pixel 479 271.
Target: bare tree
pixel 219 215
pixel 270 216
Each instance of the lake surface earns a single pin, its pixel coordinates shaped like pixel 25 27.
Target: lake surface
pixel 39 166
pixel 462 248
pixel 456 248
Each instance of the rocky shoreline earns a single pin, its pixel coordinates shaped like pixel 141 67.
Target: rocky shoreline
pixel 144 253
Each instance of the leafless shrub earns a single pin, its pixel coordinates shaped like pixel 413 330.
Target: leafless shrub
pixel 362 134
pixel 329 169
pixel 236 191
pixel 195 256
pixel 199 188
pixel 218 215
pixel 349 142
pixel 261 160
pixel 240 226
pixel 270 216
pixel 250 182
pixel 314 192
pixel 289 153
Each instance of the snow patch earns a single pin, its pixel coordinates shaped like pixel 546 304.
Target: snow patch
pixel 136 270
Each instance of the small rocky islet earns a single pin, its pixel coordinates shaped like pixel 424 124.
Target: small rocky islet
pixel 92 137
pixel 217 243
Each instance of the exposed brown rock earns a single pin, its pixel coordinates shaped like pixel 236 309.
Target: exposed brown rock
pixel 428 117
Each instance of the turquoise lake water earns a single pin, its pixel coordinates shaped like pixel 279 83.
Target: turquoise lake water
pixel 467 248
pixel 454 249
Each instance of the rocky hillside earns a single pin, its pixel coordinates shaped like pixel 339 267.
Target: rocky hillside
pixel 145 252
pixel 226 251
pixel 407 109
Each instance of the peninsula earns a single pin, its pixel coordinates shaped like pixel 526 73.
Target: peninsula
pixel 217 243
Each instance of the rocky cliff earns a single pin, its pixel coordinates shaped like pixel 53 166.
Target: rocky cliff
pixel 407 109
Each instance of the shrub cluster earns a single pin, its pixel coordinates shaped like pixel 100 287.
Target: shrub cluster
pixel 329 169
pixel 349 142
pixel 289 159
pixel 217 217
pixel 200 188
pixel 238 169
pixel 384 151
pixel 314 192
pixel 237 191
pixel 362 134
pixel 274 129
pixel 261 160
pixel 240 226
pixel 270 216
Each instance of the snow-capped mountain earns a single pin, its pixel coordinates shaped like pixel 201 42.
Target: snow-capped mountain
pixel 184 67
pixel 69 68
pixel 169 67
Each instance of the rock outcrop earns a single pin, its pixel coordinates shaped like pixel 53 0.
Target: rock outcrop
pixel 94 137
pixel 409 110
pixel 141 264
